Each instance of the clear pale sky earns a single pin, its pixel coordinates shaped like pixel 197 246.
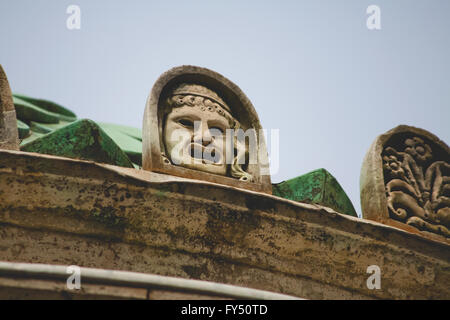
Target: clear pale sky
pixel 311 68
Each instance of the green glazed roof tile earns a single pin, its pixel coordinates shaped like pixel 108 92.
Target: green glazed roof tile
pixel 129 131
pixel 82 139
pixel 27 111
pixel 318 187
pixel 23 128
pixel 39 127
pixel 130 145
pixel 32 136
pixel 49 106
pixel 38 117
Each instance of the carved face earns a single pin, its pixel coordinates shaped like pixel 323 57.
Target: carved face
pixel 194 138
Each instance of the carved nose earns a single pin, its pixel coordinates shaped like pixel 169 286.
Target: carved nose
pixel 206 134
pixel 202 135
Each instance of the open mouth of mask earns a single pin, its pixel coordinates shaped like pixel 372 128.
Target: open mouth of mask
pixel 207 155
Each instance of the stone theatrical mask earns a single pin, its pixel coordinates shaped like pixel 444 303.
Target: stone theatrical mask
pixel 199 125
pixel 195 129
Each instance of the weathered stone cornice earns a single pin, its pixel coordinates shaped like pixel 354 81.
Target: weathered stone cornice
pixel 63 211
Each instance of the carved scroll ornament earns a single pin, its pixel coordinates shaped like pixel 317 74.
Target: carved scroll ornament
pixel 418 186
pixel 405 182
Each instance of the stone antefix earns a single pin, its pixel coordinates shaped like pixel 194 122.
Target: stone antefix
pixel 9 137
pixel 195 125
pixel 405 181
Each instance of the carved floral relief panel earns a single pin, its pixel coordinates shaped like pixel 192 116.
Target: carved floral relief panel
pixel 417 179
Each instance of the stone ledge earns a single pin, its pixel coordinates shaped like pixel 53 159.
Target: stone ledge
pixel 125 219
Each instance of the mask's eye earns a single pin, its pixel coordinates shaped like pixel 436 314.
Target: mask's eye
pixel 216 131
pixel 186 122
